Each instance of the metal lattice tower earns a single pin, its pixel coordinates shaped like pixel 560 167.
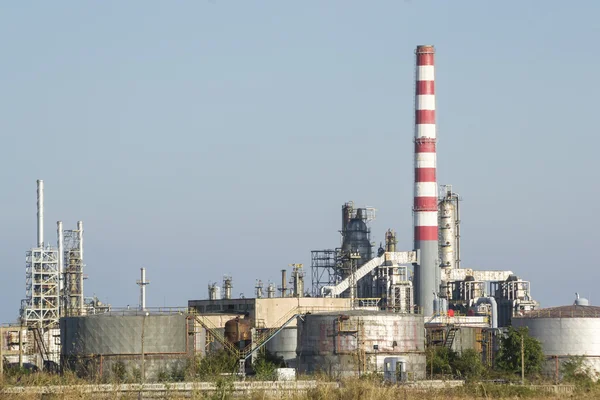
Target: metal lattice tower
pixel 41 306
pixel 324 269
pixel 73 270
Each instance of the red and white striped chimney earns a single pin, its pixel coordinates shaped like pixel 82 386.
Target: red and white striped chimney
pixel 426 193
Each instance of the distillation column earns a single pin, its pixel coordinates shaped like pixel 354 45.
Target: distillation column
pixel 427 272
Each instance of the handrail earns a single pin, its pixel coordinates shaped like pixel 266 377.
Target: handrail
pixel 214 331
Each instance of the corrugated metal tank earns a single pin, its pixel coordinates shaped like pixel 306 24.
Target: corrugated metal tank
pixel 284 345
pixel 355 342
pixel 99 345
pixel 564 332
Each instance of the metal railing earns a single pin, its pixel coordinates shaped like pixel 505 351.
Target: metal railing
pixel 550 313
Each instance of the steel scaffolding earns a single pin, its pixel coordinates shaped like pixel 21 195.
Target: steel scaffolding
pixel 41 306
pixel 324 268
pixel 73 273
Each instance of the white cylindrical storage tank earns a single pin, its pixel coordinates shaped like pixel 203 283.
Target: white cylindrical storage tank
pixel 357 342
pixel 565 332
pixel 284 345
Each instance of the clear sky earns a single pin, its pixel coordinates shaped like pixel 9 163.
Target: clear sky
pixel 198 138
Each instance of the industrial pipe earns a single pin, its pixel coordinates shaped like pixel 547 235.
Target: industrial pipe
pixel 61 266
pixel 283 283
pixel 40 213
pixel 492 302
pixel 80 277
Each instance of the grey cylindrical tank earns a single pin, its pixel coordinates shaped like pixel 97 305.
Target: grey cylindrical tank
pixel 564 332
pixel 97 343
pixel 355 342
pixel 284 345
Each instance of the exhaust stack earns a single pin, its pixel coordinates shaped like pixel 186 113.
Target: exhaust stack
pixel 425 210
pixel 40 213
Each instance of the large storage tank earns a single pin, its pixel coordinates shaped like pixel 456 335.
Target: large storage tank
pixel 355 342
pixel 284 345
pixel 106 345
pixel 564 332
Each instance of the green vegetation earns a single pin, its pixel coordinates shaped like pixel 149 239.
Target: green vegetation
pixel 265 365
pixel 508 358
pixel 211 366
pixel 444 362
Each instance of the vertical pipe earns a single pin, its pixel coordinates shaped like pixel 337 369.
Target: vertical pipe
pixel 61 266
pixel 40 213
pixel 80 272
pixel 143 368
pixel 283 282
pixel 425 208
pixel 21 346
pixel 1 355
pixel 143 289
pixel 457 232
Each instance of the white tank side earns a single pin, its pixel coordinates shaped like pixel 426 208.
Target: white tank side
pixel 564 336
pixel 284 345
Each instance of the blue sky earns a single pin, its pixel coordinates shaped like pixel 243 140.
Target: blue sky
pixel 199 138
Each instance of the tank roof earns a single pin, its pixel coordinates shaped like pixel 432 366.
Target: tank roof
pixel 363 313
pixel 573 311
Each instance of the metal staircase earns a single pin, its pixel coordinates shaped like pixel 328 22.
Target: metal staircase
pixel 260 340
pixel 450 335
pixel 216 333
pixel 40 344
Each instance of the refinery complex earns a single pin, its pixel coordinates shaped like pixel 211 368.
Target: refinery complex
pixel 357 308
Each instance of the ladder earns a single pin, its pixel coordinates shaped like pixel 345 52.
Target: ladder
pixel 39 341
pixel 450 335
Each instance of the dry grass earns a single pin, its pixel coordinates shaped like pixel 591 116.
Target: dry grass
pixel 351 389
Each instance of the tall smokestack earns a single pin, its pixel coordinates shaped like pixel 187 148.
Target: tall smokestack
pixel 40 213
pixel 427 273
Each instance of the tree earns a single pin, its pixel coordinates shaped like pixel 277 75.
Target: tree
pixel 439 360
pixel 468 364
pixel 508 358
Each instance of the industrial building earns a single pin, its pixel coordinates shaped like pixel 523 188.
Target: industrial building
pixel 367 308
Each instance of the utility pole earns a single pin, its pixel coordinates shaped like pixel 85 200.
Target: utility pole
pixel 522 359
pixel 143 374
pixel 1 355
pixel 21 346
